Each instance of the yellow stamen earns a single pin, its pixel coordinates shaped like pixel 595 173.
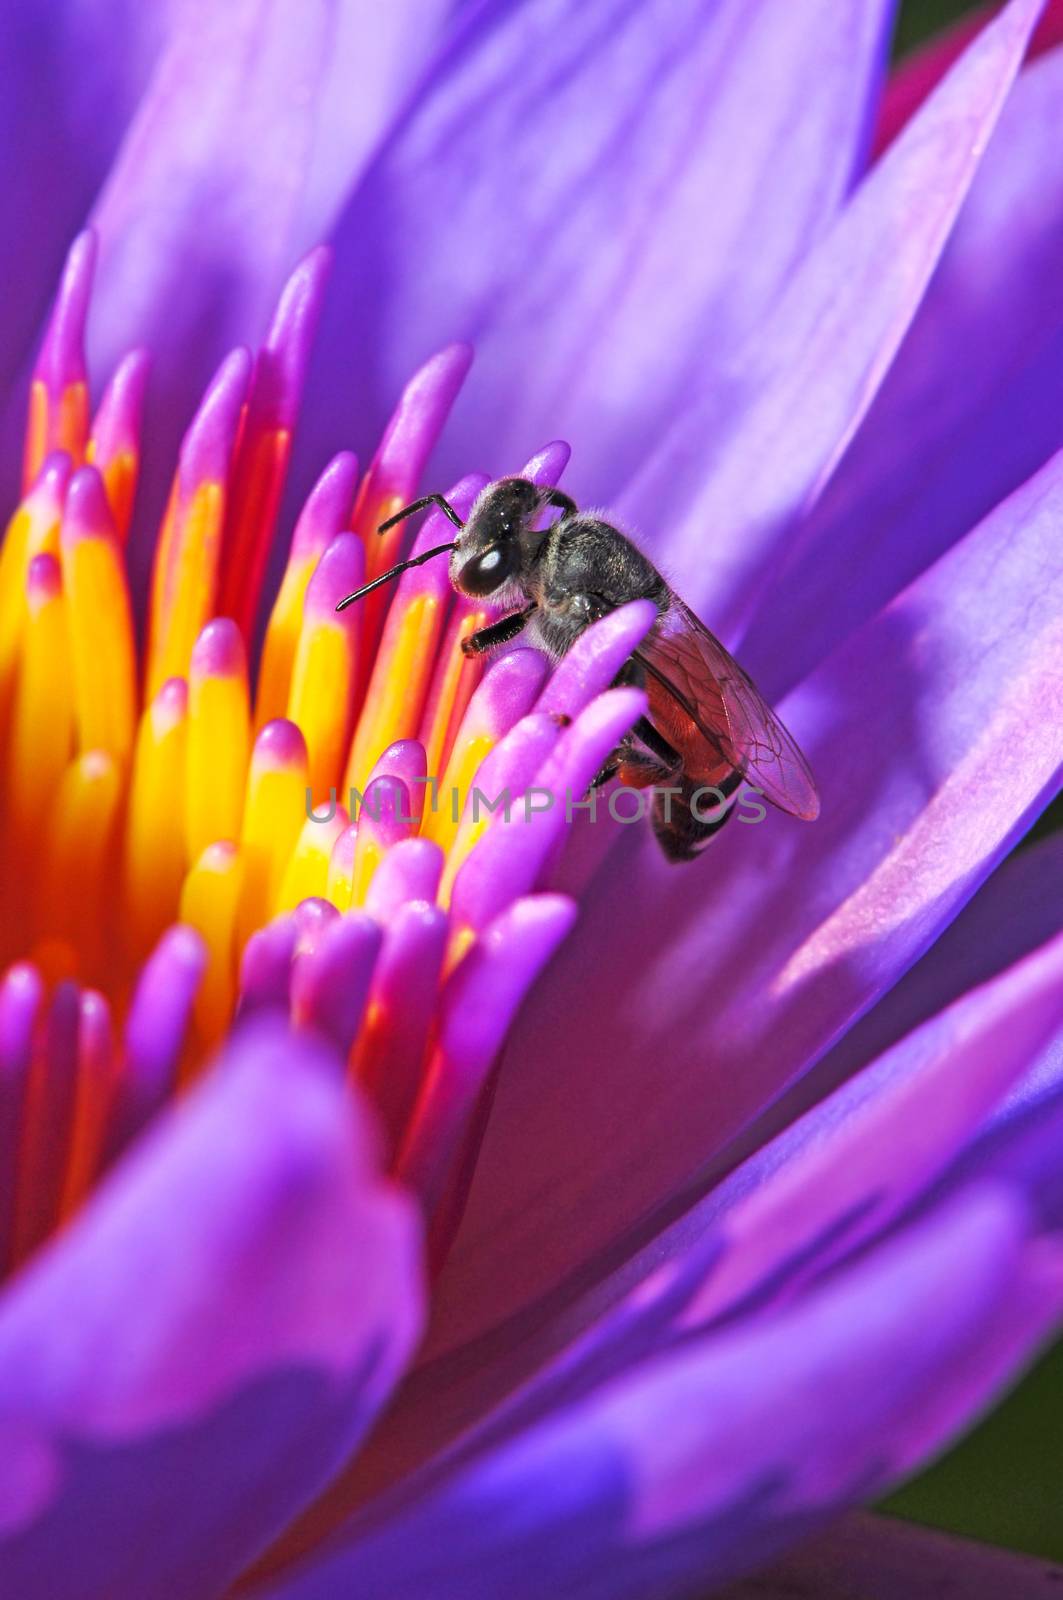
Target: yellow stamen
pixel 184 582
pixel 119 480
pixel 219 738
pixel 441 824
pixel 382 549
pixel 457 675
pixel 398 685
pixel 185 576
pixel 307 874
pixel 209 902
pixel 101 622
pixel 154 846
pixel 32 531
pixel 340 884
pixel 282 638
pixel 43 721
pixel 322 693
pixel 323 518
pixel 369 852
pixel 274 814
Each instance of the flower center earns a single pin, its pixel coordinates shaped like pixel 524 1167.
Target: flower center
pixel 185 840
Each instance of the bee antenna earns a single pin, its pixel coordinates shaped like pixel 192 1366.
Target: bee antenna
pixel 419 505
pixel 393 572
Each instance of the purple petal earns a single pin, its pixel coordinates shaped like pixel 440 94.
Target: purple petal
pixel 330 984
pixel 968 412
pixel 184 1366
pixel 386 51
pixel 55 148
pixel 410 871
pixel 509 769
pixel 385 819
pixel 508 860
pixel 479 1002
pixel 548 464
pixel 835 1178
pixel 693 997
pixel 241 150
pixel 739 467
pixel 968 971
pixel 155 1034
pixel 313 918
pixel 414 427
pixel 327 510
pixel 706 1461
pixel 602 158
pixel 405 762
pixel 265 970
pixel 1014 913
pixel 1021 1143
pixel 59 370
pixel 404 994
pixel 596 658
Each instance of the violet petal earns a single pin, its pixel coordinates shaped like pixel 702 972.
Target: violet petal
pixel 612 227
pixel 220 1324
pixel 702 1464
pixel 693 997
pixel 968 411
pixel 735 471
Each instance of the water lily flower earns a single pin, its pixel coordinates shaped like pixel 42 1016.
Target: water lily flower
pixel 404 1199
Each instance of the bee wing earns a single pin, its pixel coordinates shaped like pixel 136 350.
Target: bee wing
pixel 715 714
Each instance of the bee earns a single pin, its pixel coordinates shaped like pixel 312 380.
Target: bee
pixel 707 728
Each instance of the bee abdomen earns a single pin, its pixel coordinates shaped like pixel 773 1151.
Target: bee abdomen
pixel 685 822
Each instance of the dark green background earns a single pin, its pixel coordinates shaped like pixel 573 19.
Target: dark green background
pixel 918 18
pixel 1004 1482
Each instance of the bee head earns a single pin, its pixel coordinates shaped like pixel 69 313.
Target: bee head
pixel 490 552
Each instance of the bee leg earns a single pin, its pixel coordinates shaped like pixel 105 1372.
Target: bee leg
pixel 496 633
pixel 632 675
pixel 635 768
pixel 620 756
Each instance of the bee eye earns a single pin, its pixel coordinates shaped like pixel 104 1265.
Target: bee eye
pixel 485 573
